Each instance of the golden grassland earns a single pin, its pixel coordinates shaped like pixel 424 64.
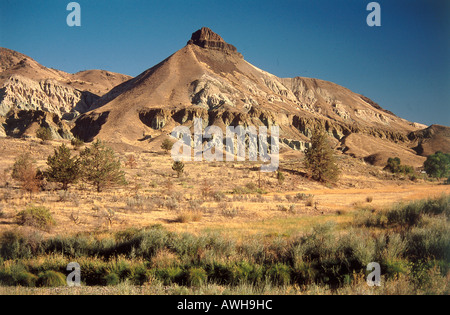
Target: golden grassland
pixel 230 200
pixel 206 197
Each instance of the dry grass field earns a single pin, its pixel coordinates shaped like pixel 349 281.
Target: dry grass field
pixel 228 197
pixel 223 228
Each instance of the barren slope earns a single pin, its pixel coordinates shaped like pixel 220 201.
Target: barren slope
pixel 208 78
pixel 27 85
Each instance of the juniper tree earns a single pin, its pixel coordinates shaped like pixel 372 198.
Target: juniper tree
pixel 167 145
pixel 100 167
pixel 45 134
pixel 62 168
pixel 280 177
pixel 178 167
pixel 320 161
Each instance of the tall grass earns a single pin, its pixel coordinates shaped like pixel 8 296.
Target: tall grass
pixel 410 241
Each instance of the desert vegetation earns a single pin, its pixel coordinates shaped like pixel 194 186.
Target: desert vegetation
pixel 438 165
pixel 320 160
pixel 410 241
pixel 137 223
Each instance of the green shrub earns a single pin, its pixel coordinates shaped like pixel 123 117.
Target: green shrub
pixel 279 274
pixel 45 134
pixel 17 275
pixel 412 213
pixel 13 245
pixel 36 216
pixel 178 167
pixel 51 278
pixel 6 279
pixel 245 272
pixel 394 166
pixel 221 273
pixel 111 278
pixel 140 275
pixel 167 145
pixel 26 279
pixel 196 276
pixel 170 275
pixel 393 267
pixel 280 177
pixel 76 143
pixel 428 242
pixel 93 271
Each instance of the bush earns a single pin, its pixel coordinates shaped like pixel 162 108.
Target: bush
pixel 169 275
pixel 13 245
pixel 178 167
pixel 279 274
pixel 111 279
pixel 280 177
pixel 45 134
pixel 26 279
pixel 411 214
pixel 76 143
pixel 17 275
pixel 394 166
pixel 24 170
pixel 51 278
pixel 196 276
pixel 167 145
pixel 140 275
pixel 38 217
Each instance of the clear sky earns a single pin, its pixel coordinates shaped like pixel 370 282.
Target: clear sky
pixel 404 65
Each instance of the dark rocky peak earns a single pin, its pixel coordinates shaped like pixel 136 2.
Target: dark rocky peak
pixel 206 38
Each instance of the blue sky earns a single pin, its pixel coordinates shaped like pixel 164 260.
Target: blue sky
pixel 404 65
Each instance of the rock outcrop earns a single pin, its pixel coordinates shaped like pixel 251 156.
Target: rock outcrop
pixel 206 38
pixel 209 79
pixel 26 85
pixel 206 79
pixel 21 93
pixel 430 140
pixel 25 123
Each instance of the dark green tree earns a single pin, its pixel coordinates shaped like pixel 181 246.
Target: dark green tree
pixel 62 168
pixel 438 165
pixel 320 160
pixel 45 134
pixel 178 167
pixel 100 167
pixel 77 143
pixel 167 145
pixel 393 165
pixel 280 177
